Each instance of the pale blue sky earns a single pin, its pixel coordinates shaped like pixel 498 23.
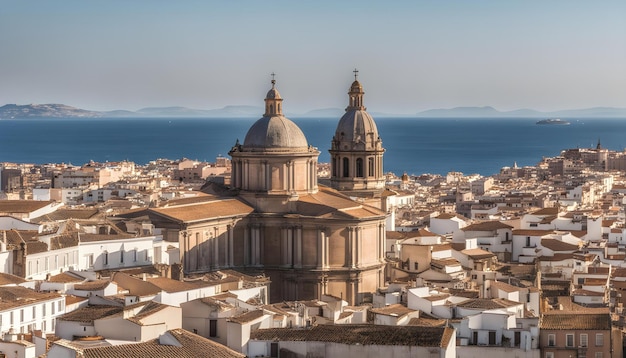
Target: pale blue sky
pixel 412 55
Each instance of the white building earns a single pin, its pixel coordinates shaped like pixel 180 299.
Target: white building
pixel 23 310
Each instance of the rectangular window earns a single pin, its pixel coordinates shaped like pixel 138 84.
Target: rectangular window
pixel 551 340
pixel 492 338
pixel 416 265
pixel 52 307
pixel 34 312
pixel 583 339
pixel 213 328
pixel 569 340
pixel 598 354
pixel 599 339
pixel 273 350
pixel 21 315
pixel 549 354
pixel 44 310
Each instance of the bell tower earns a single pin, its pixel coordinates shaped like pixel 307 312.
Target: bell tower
pixel 356 150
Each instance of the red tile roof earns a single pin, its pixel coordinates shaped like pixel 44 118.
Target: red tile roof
pixel 191 345
pixel 419 336
pixel 575 320
pixel 487 226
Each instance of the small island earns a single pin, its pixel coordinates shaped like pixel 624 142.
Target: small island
pixel 553 121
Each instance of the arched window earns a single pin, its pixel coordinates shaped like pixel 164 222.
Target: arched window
pixel 359 167
pixel 370 167
pixel 346 167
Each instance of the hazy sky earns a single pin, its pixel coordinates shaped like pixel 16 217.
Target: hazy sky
pixel 412 55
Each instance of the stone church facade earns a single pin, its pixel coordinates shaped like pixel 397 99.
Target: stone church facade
pixel 275 219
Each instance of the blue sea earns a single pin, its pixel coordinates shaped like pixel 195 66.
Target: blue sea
pixel 413 145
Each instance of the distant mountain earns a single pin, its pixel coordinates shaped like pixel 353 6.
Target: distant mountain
pixel 461 112
pixel 490 112
pixel 324 112
pixel 9 111
pixel 236 111
pixel 183 112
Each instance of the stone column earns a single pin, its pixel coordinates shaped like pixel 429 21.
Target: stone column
pixel 382 243
pixel 246 246
pixel 298 247
pixel 268 176
pixel 359 245
pixel 255 245
pixel 326 250
pixel 351 247
pixel 322 248
pixel 284 245
pixel 231 246
pixel 246 174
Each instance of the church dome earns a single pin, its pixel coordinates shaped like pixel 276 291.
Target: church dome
pixel 274 133
pixel 273 94
pixel 274 130
pixel 356 126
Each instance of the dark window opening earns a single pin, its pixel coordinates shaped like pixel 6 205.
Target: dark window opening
pixel 213 328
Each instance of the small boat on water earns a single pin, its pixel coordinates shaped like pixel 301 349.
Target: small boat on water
pixel 553 121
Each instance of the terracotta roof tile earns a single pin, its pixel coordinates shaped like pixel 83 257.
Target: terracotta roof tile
pixel 205 210
pixel 191 345
pixel 90 313
pixel 530 232
pixel 478 254
pixel 487 226
pixel 396 310
pixel 575 320
pixel 558 245
pixel 247 317
pixel 22 206
pixel 65 277
pixel 169 285
pixel 546 211
pixel 488 303
pixel 361 334
pixel 16 296
pixel 8 279
pixel 92 285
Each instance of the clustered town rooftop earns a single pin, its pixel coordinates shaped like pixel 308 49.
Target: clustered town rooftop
pixel 268 253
